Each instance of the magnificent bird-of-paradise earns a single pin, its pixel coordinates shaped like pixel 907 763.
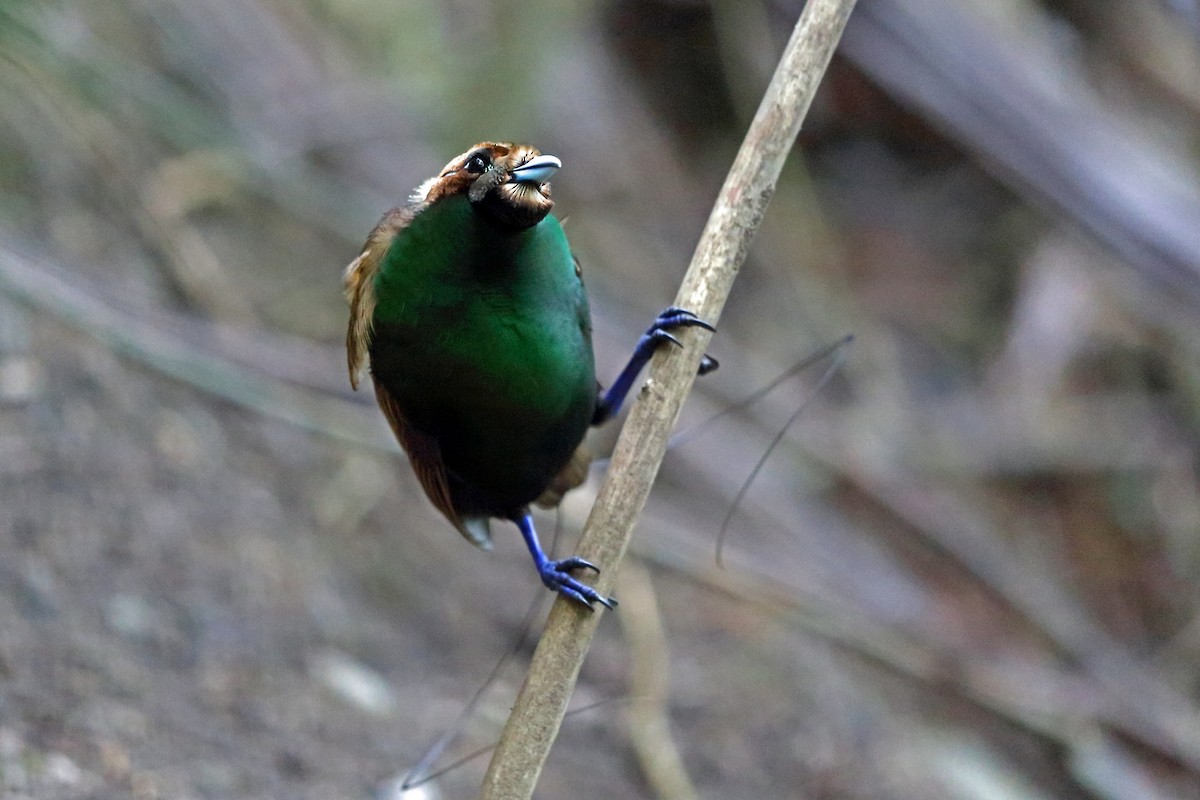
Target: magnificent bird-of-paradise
pixel 470 309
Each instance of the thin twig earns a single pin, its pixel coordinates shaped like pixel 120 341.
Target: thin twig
pixel 537 714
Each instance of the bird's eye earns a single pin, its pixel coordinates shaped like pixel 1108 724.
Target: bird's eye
pixel 477 163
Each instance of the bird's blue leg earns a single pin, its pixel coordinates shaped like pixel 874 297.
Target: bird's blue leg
pixel 609 404
pixel 555 574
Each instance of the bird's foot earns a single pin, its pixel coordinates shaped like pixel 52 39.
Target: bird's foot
pixel 555 574
pixel 669 319
pixel 659 333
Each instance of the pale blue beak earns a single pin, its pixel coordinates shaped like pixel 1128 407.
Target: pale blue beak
pixel 535 170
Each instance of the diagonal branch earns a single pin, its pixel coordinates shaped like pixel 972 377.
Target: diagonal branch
pixel 542 701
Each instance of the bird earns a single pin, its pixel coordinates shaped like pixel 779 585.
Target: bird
pixel 468 309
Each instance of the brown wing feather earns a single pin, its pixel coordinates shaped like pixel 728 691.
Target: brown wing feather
pixel 424 454
pixel 359 284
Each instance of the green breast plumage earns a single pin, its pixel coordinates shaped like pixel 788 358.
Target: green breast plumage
pixel 481 334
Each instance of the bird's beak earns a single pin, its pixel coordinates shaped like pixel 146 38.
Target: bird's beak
pixel 535 170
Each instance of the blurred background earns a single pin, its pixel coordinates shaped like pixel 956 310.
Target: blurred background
pixel 970 570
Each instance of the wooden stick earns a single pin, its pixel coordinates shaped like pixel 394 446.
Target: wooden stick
pixel 533 724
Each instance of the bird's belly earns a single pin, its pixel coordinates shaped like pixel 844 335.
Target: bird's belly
pixel 508 402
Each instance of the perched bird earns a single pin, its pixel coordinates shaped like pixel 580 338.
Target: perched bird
pixel 471 311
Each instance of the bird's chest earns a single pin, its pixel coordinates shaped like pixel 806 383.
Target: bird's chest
pixel 496 324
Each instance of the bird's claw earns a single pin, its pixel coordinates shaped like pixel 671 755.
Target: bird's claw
pixel 555 575
pixel 674 317
pixel 574 562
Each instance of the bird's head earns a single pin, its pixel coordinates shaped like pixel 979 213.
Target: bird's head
pixel 507 182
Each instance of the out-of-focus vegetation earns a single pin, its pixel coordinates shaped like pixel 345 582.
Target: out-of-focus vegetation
pixel 970 571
